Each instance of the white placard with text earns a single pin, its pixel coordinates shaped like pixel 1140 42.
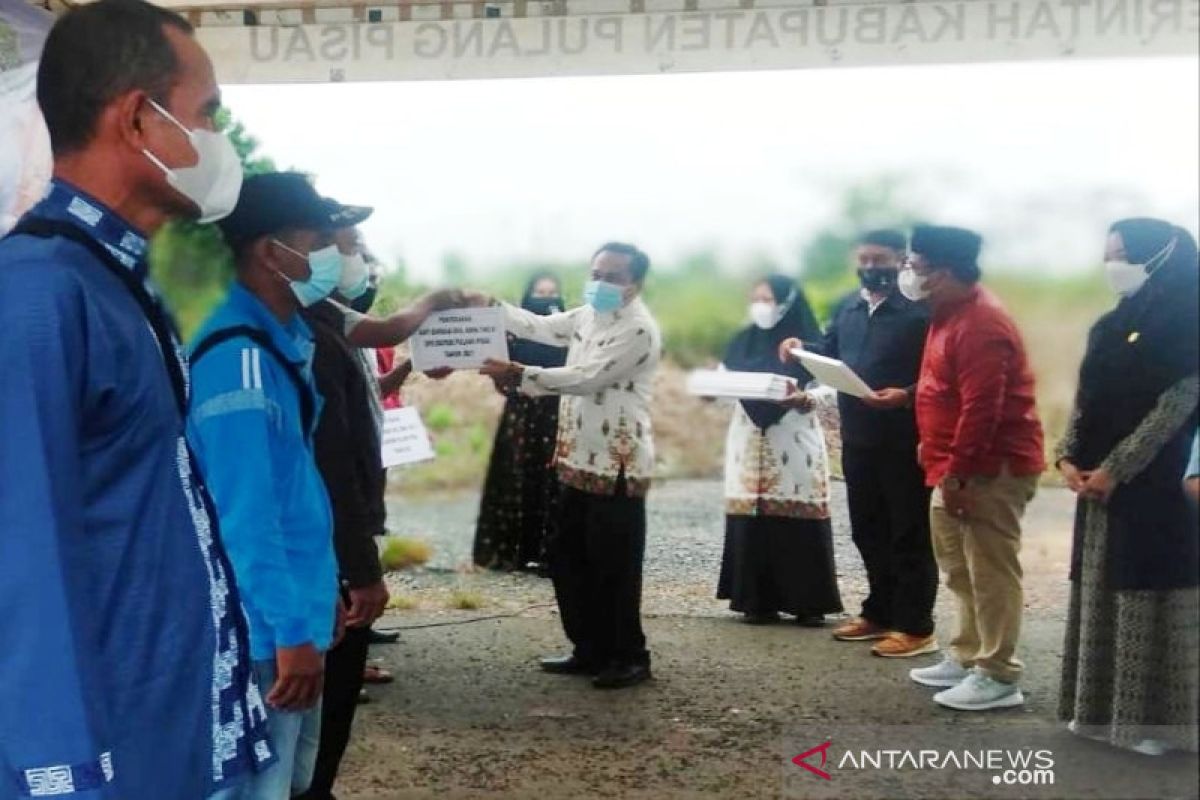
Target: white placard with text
pixel 405 440
pixel 460 338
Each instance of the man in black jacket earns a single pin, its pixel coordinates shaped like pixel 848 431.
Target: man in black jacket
pixel 881 336
pixel 346 446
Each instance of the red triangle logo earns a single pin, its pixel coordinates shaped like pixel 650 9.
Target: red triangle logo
pixel 802 760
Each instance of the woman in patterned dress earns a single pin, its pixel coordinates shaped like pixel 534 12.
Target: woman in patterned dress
pixel 517 512
pixel 778 538
pixel 1130 671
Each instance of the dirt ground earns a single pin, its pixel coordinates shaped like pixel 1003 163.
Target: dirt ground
pixel 470 715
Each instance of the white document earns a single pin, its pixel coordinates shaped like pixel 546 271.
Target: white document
pixel 460 338
pixel 739 385
pixel 405 440
pixel 832 372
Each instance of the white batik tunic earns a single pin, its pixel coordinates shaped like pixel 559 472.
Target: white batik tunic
pixel 782 471
pixel 606 386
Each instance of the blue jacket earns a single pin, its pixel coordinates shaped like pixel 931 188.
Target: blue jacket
pixel 123 669
pixel 245 426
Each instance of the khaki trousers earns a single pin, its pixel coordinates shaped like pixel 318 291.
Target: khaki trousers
pixel 978 555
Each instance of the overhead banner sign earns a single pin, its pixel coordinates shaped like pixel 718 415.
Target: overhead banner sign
pixel 739 39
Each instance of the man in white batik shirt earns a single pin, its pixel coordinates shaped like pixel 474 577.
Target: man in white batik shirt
pixel 604 460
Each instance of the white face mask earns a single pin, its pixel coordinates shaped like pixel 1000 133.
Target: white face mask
pixel 912 285
pixel 355 277
pixel 214 181
pixel 1125 278
pixel 764 315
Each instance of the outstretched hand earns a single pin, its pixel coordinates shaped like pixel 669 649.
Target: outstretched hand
pixel 886 398
pixel 444 299
pixel 786 347
pixel 798 399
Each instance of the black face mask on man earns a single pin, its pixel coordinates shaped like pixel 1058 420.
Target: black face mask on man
pixel 362 304
pixel 878 279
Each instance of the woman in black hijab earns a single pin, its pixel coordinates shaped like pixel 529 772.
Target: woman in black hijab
pixel 517 512
pixel 1131 674
pixel 778 538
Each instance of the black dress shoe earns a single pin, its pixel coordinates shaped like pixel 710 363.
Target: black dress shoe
pixel 811 621
pixel 376 637
pixel 621 676
pixel 568 665
pixel 763 618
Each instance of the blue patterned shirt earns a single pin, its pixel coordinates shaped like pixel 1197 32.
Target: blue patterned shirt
pixel 125 669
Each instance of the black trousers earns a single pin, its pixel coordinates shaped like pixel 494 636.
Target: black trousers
pixel 596 565
pixel 344 667
pixel 889 518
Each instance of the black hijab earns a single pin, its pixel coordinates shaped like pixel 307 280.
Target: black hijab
pixel 756 350
pixel 1145 345
pixel 536 354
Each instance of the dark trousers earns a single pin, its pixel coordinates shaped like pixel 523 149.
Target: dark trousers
pixel 889 518
pixel 596 564
pixel 344 667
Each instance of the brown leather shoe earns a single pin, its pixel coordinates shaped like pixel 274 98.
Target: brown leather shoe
pixel 858 630
pixel 905 645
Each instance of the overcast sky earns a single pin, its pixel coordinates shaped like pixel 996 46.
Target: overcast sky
pixel 1040 156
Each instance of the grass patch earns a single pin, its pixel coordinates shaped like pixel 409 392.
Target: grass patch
pixel 403 602
pixel 402 552
pixel 465 600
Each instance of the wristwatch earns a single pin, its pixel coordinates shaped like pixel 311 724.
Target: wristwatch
pixel 953 483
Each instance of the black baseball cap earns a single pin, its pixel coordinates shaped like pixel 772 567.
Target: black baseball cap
pixel 345 216
pixel 273 202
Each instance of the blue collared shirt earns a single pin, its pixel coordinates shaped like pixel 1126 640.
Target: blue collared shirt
pixel 245 426
pixel 124 673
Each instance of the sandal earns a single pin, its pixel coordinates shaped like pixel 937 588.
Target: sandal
pixel 374 674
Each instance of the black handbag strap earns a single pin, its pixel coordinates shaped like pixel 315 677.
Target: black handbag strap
pixel 160 323
pixel 263 340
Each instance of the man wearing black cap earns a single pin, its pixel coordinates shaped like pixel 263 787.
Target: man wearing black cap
pixel 253 420
pixel 880 334
pixel 981 448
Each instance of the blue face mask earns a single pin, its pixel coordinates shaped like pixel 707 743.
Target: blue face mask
pixel 602 296
pixel 326 267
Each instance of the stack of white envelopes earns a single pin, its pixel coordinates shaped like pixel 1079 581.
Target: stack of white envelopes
pixel 739 385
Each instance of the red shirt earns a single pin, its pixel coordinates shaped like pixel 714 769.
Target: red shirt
pixel 975 398
pixel 385 358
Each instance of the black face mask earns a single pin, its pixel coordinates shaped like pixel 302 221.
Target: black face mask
pixel 878 279
pixel 544 305
pixel 362 304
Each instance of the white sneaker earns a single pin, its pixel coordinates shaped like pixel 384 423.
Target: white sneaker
pixel 943 675
pixel 978 692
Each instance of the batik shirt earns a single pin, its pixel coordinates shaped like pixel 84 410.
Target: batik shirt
pixel 606 385
pixel 125 671
pixel 782 471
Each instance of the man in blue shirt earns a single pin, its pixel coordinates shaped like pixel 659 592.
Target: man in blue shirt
pixel 125 673
pixel 253 414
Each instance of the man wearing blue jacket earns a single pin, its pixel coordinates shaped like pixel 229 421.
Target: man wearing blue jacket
pixel 254 409
pixel 125 673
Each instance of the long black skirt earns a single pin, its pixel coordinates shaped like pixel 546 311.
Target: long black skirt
pixel 779 564
pixel 519 509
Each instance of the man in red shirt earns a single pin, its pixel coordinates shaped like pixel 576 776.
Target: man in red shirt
pixel 981 449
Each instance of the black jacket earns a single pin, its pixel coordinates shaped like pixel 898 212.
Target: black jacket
pixel 885 350
pixel 346 446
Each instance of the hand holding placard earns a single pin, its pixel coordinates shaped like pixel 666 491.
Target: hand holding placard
pixel 460 338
